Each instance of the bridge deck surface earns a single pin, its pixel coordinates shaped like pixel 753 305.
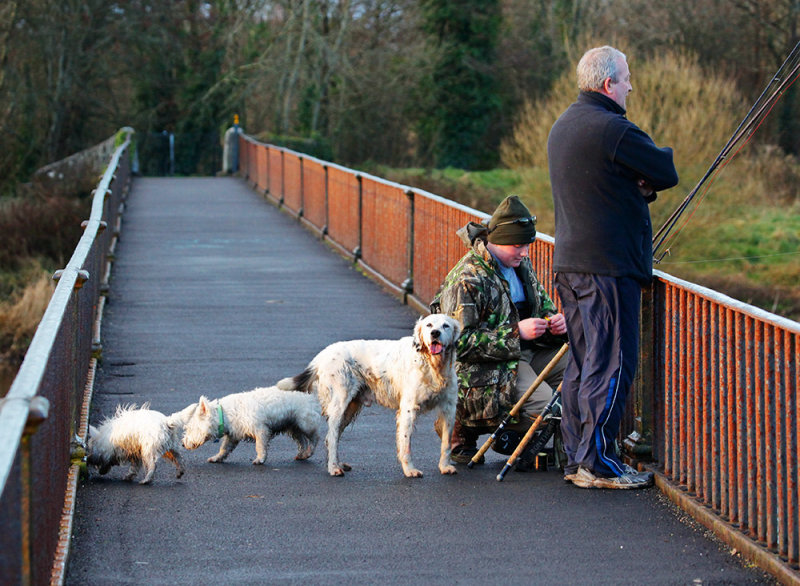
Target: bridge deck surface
pixel 215 291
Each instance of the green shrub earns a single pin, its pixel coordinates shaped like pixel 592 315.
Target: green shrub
pixel 47 227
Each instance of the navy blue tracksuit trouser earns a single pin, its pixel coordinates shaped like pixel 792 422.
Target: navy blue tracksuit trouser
pixel 602 315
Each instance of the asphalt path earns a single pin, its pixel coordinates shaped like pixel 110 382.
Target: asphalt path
pixel 215 291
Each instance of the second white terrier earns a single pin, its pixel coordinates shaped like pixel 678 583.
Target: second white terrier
pixel 260 415
pixel 139 436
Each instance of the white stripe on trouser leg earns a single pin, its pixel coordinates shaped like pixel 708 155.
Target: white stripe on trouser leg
pixel 601 430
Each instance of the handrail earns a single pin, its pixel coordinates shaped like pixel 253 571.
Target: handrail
pixel 31 371
pixel 740 306
pixel 53 373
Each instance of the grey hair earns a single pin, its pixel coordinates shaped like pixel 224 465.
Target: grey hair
pixel 596 66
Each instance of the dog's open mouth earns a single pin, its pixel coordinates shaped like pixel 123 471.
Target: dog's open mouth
pixel 436 348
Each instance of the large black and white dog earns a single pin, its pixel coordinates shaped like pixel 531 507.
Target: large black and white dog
pixel 412 375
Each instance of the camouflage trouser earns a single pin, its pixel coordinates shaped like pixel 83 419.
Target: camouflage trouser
pixel 466 437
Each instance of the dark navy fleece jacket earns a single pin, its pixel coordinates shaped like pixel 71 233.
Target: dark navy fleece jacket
pixel 602 220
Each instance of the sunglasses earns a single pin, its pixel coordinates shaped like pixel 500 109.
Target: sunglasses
pixel 521 221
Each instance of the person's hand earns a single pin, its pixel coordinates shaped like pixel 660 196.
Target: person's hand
pixel 532 328
pixel 645 188
pixel 558 324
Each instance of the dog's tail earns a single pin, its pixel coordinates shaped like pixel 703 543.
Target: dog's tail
pixel 301 382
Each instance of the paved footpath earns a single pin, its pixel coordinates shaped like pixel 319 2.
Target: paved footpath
pixel 215 291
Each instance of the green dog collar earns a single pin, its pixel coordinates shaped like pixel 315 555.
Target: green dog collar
pixel 221 428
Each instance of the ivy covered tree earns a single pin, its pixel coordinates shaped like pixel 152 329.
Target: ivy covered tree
pixel 460 99
pixel 186 90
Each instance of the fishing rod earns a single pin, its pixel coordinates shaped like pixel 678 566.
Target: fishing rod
pixel 747 127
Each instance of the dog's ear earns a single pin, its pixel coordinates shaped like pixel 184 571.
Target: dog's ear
pixel 417 337
pixel 203 406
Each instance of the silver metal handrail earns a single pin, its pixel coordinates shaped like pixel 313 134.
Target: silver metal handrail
pixel 40 413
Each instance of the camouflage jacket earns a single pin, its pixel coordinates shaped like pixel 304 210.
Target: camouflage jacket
pixel 475 293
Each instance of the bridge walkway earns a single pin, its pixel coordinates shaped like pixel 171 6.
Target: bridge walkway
pixel 215 291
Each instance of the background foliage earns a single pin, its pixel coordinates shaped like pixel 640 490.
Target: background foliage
pixel 430 83
pixel 459 99
pixel 429 91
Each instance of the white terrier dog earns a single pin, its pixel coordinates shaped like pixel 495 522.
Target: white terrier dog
pixel 259 414
pixel 139 436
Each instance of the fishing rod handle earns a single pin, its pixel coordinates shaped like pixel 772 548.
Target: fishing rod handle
pixel 488 443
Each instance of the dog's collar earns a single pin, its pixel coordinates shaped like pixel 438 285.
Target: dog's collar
pixel 221 428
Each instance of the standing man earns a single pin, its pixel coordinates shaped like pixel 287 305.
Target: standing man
pixel 604 172
pixel 511 330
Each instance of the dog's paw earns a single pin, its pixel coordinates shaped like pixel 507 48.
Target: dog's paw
pixel 413 473
pixel 215 459
pixel 259 461
pixel 336 471
pixel 449 469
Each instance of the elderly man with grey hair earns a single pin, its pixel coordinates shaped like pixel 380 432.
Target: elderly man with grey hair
pixel 604 172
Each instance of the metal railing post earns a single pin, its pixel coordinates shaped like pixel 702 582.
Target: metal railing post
pixel 327 207
pixel 283 180
pixel 639 444
pixel 235 145
pixel 408 284
pixel 37 413
pixel 171 154
pixel 302 190
pixel 358 251
pixel 268 182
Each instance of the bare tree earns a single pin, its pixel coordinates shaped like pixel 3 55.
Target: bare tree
pixel 341 70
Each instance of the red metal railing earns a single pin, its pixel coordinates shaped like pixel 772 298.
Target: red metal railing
pixel 726 409
pixel 386 229
pixel 344 202
pixel 715 404
pixel 293 181
pixel 261 169
pixel 315 208
pixel 46 406
pixel 439 249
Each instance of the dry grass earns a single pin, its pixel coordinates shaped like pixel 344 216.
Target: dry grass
pixel 20 315
pixel 671 101
pixel 38 233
